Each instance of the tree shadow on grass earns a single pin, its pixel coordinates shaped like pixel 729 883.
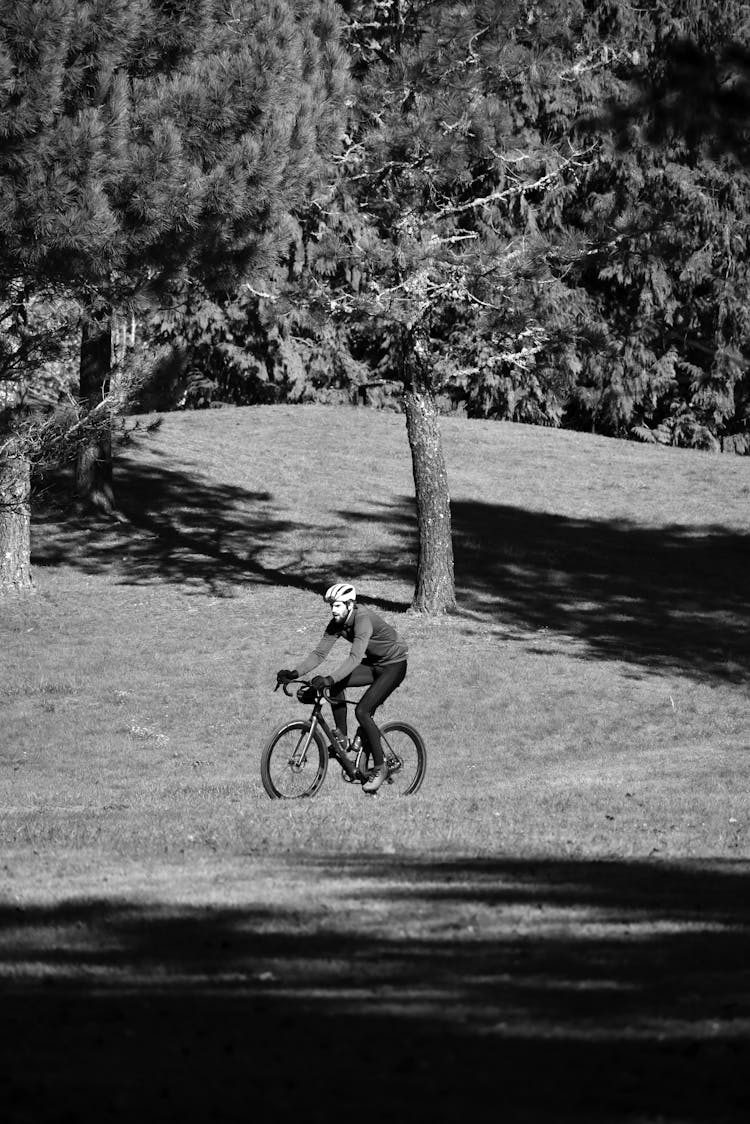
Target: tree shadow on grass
pixel 668 597
pixel 525 991
pixel 671 597
pixel 174 527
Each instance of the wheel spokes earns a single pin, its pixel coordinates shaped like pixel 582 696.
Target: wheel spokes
pixel 294 766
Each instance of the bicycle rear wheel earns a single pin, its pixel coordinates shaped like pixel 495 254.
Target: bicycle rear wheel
pixel 294 761
pixel 406 756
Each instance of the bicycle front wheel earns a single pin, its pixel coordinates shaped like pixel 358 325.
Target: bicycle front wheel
pixel 294 761
pixel 406 756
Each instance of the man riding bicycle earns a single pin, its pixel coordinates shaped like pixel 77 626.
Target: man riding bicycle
pixel 377 659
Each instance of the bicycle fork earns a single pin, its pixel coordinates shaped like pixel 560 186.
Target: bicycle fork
pixel 298 757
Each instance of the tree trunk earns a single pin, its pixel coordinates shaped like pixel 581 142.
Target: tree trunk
pixel 94 459
pixel 435 592
pixel 15 523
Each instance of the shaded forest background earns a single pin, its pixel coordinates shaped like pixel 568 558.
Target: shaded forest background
pixel 550 199
pixel 542 205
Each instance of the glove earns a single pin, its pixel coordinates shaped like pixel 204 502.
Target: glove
pixel 285 676
pixel 321 682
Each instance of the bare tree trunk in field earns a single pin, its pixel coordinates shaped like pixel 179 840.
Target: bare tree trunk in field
pixel 15 523
pixel 94 460
pixel 435 592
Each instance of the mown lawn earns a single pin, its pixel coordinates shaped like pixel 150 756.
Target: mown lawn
pixel 559 919
pixel 589 697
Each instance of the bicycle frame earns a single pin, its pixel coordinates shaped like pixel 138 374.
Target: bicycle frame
pixel 318 721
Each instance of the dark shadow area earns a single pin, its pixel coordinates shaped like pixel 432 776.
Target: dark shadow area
pixel 699 96
pixel 529 991
pixel 671 597
pixel 668 597
pixel 175 527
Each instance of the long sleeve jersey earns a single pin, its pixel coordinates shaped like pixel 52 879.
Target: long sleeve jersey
pixel 373 641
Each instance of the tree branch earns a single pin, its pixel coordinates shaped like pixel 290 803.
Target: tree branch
pixel 511 192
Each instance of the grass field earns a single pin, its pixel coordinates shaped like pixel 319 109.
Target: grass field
pixel 567 895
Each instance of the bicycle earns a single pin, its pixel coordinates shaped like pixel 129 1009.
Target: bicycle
pixel 294 761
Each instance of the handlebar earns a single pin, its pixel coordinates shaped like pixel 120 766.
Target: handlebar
pixel 323 694
pixel 319 694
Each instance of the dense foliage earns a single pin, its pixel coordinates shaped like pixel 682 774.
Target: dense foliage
pixel 149 145
pixel 544 204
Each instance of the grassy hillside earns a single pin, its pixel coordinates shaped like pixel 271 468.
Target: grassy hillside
pixel 556 924
pixel 589 697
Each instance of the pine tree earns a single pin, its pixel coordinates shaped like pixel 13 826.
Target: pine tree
pixel 642 321
pixel 146 143
pixel 664 210
pixel 623 304
pixel 431 242
pixel 600 202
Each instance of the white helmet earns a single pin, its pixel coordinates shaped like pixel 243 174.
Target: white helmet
pixel 341 591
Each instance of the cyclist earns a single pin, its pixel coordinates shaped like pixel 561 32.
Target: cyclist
pixel 377 659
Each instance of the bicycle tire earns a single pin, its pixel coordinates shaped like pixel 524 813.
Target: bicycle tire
pixel 282 778
pixel 402 741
